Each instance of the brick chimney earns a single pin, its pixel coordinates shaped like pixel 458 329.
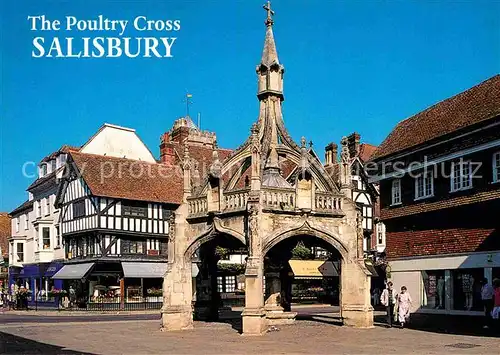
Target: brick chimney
pixel 353 143
pixel 331 151
pixel 167 153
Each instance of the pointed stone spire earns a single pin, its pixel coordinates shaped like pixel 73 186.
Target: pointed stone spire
pixel 269 54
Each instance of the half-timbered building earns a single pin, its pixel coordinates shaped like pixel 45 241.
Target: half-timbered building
pixel 117 215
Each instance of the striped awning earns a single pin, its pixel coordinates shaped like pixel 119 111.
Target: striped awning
pixel 313 269
pixel 73 271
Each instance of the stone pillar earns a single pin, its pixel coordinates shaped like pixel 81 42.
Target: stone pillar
pixel 273 301
pixel 254 322
pixel 176 312
pixel 355 300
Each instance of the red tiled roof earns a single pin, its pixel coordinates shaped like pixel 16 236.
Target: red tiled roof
pixel 479 103
pixel 480 196
pixel 366 151
pixel 130 179
pixel 441 241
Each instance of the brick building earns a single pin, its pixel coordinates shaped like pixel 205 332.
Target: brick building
pixel 439 175
pixel 4 248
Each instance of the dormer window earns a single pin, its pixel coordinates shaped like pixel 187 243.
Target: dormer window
pixel 396 192
pixel 42 170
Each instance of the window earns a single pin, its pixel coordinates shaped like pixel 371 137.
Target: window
pixel 226 283
pixel 79 209
pixel 132 247
pixel 466 284
pixel 424 185
pixel 433 292
pixel 396 191
pixel 17 224
pixel 46 238
pixel 58 237
pixel 496 167
pixel 380 233
pixel 230 283
pixel 43 169
pixel 47 206
pixel 166 213
pixel 461 175
pixel 136 209
pixel 20 251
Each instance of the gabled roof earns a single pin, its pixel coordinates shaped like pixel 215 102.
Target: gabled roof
pixel 23 207
pixel 130 179
pixel 64 149
pixel 477 104
pixel 366 151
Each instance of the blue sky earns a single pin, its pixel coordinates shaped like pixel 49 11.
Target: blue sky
pixel 350 66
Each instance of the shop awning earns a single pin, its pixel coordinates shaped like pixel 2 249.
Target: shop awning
pixel 313 269
pixel 369 265
pixel 144 270
pixel 73 271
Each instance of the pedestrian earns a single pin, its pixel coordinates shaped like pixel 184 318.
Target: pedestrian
pixel 404 306
pixel 495 314
pixel 72 296
pixel 388 299
pixel 487 293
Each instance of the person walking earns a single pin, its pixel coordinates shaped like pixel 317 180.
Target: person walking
pixel 487 293
pixel 388 299
pixel 495 314
pixel 404 306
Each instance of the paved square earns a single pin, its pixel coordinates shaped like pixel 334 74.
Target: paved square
pixel 316 336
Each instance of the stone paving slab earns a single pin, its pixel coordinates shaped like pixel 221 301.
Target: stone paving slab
pixel 305 337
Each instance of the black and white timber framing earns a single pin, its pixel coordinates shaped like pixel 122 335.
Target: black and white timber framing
pixel 97 226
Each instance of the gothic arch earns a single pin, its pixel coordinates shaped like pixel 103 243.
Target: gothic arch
pixel 211 233
pixel 305 229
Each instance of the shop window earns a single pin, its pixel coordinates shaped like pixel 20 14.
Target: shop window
pixel 467 289
pixel 79 209
pixel 46 237
pixel 434 289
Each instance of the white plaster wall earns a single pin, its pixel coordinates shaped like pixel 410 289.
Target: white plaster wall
pixel 442 262
pixel 413 282
pixel 118 142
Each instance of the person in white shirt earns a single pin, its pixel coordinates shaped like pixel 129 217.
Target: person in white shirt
pixel 487 294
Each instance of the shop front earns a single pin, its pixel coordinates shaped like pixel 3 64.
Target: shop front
pixel 448 284
pixel 37 279
pixel 315 281
pixel 114 285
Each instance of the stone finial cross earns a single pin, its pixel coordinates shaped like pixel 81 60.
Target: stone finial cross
pixel 270 13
